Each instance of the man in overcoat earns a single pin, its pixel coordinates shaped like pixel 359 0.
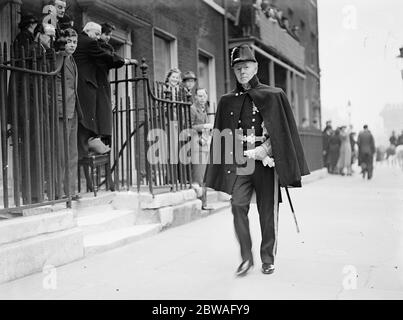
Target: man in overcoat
pixel 256 120
pixel 88 57
pixel 366 151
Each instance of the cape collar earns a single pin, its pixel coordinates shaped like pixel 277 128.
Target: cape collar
pixel 254 82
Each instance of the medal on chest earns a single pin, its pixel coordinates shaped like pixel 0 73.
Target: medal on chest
pixel 254 108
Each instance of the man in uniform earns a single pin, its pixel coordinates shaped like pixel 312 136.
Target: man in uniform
pixel 260 118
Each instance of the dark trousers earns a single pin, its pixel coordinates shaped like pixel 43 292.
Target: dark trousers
pixel 263 182
pixel 83 135
pixel 367 164
pixel 73 155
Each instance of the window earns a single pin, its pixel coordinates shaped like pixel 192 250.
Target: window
pixel 206 77
pixel 165 55
pixel 313 49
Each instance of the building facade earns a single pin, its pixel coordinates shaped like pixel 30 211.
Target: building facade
pixel 392 115
pixel 194 35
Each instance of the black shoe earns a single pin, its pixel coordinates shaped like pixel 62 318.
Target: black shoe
pixel 267 268
pixel 244 268
pixel 207 208
pixel 76 197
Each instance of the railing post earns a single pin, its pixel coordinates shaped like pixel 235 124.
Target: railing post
pixel 3 125
pixel 144 68
pixel 35 146
pixel 15 129
pixel 26 163
pixel 66 157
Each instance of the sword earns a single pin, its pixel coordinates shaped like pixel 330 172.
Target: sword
pixel 292 209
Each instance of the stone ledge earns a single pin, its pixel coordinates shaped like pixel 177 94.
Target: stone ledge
pixel 168 199
pixel 21 228
pixel 25 257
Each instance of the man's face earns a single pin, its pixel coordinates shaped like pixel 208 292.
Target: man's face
pixel 60 8
pixel 244 71
pixel 106 36
pixel 71 45
pixel 190 83
pixel 201 97
pixel 94 33
pixel 45 40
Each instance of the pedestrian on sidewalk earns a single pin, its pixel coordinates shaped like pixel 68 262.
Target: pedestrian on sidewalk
pixel 366 151
pixel 393 139
pixel 334 151
pixel 258 119
pixel 326 135
pixel 344 161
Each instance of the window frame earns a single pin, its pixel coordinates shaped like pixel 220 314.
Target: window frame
pixel 212 90
pixel 173 46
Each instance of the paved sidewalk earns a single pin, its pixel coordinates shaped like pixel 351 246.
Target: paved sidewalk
pixel 347 225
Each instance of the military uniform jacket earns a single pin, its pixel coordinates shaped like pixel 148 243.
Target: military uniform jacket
pixel 273 105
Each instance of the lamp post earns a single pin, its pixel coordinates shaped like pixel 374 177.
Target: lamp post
pixel 349 111
pixel 400 57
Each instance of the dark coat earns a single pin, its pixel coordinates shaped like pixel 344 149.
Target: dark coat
pixel 87 57
pixel 366 145
pixel 275 109
pixel 334 149
pixel 104 105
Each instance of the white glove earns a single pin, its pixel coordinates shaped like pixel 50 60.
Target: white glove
pixel 268 161
pixel 208 126
pixel 259 153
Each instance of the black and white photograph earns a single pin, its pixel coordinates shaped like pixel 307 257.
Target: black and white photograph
pixel 201 155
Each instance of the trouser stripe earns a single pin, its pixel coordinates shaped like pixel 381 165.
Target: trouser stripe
pixel 275 213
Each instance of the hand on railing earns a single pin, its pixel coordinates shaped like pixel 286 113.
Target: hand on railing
pixel 131 62
pixel 208 126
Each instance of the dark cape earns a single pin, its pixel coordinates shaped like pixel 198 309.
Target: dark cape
pixel 273 105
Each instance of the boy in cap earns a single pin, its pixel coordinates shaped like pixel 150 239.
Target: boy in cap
pixel 189 82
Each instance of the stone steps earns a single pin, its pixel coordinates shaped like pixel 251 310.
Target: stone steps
pixel 21 228
pixel 31 255
pixel 103 241
pixel 105 220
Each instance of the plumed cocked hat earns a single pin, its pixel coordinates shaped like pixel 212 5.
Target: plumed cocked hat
pixel 242 53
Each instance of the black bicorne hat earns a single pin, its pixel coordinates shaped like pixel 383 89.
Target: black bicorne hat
pixel 242 53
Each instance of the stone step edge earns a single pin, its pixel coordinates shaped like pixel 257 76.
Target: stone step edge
pixel 29 227
pixel 118 238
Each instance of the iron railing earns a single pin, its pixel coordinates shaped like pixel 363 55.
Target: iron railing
pixel 144 116
pixel 31 174
pixel 313 146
